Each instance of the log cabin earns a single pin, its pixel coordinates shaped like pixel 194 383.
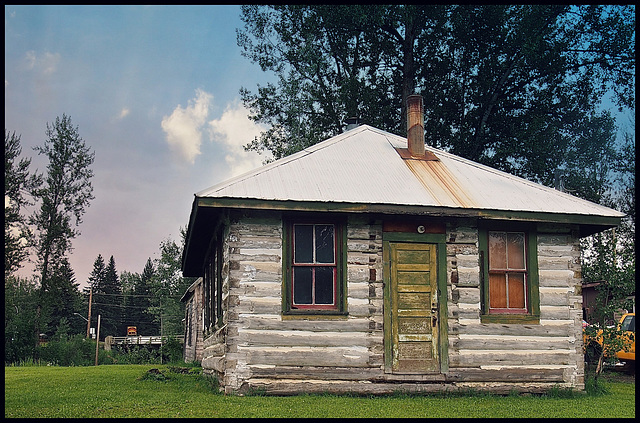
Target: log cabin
pixel 372 263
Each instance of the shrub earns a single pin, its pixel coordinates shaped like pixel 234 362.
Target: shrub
pixel 68 351
pixel 171 350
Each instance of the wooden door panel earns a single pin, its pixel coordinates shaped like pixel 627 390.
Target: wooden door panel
pixel 413 285
pixel 414 278
pixel 413 325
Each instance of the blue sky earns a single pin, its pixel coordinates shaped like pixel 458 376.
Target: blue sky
pixel 153 91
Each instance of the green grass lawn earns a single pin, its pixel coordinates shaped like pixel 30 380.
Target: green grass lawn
pixel 121 391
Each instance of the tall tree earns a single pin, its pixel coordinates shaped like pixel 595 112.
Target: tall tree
pixel 64 196
pixel 20 297
pixel 96 280
pixel 97 275
pixel 18 182
pixel 143 299
pixel 609 258
pixel 138 299
pixel 107 296
pixel 63 295
pixel 515 87
pixel 168 286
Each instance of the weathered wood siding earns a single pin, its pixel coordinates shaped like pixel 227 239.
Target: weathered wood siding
pixel 258 348
pixel 262 346
pixel 516 353
pixel 214 345
pixel 193 345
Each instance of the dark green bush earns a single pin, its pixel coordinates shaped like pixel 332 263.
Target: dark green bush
pixel 172 351
pixel 135 354
pixel 75 350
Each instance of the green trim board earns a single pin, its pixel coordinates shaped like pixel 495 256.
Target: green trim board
pixel 402 209
pixel 533 293
pixel 205 208
pixel 341 264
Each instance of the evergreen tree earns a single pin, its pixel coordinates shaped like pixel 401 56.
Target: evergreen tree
pixel 97 275
pixel 144 301
pixel 108 295
pixel 96 284
pixel 64 296
pixel 139 299
pixel 128 281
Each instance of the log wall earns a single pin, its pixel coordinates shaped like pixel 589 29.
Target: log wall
pixel 549 351
pixel 259 349
pixel 193 345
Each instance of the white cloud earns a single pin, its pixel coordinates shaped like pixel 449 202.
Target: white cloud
pixel 234 129
pixel 124 112
pixel 184 126
pixel 45 64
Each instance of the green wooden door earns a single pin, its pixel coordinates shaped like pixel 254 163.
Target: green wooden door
pixel 414 307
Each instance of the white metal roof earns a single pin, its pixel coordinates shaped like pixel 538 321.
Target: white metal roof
pixel 363 166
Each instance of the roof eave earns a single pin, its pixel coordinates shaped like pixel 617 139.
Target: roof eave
pixel 599 221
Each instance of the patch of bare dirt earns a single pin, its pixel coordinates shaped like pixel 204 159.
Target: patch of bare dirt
pixel 620 374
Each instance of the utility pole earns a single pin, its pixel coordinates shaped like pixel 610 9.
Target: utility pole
pixel 161 339
pixel 97 340
pixel 89 316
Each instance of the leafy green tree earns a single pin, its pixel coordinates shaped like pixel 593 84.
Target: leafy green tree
pixel 516 87
pixel 66 193
pixel 63 197
pixel 168 285
pixel 609 258
pixel 20 297
pixel 18 181
pixel 616 277
pixel 625 200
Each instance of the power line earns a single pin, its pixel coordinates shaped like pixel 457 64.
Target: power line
pixel 137 295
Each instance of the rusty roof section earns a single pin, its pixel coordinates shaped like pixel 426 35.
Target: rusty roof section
pixel 441 183
pixel 366 166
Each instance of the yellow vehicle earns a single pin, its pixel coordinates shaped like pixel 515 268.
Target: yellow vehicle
pixel 132 331
pixel 627 324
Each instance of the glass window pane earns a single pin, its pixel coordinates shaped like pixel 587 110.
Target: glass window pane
pixel 303 243
pixel 324 285
pixel 497 291
pixel 324 244
pixel 497 250
pixel 516 290
pixel 515 250
pixel 302 285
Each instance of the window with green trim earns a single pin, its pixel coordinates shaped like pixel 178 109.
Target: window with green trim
pixel 314 266
pixel 508 255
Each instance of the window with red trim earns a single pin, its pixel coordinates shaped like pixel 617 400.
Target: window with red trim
pixel 314 274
